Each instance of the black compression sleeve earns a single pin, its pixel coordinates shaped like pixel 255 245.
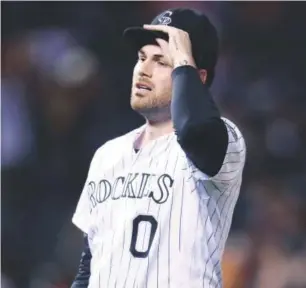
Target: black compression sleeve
pixel 201 132
pixel 82 278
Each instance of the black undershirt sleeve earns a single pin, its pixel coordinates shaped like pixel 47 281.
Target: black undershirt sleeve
pixel 82 278
pixel 201 132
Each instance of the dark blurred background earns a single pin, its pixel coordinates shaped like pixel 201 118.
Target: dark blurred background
pixel 65 88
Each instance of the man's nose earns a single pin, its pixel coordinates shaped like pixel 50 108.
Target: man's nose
pixel 145 69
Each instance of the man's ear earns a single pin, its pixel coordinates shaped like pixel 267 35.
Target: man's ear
pixel 203 75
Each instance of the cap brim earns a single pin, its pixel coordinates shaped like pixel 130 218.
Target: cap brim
pixel 139 37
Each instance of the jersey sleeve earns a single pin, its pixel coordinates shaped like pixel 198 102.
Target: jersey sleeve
pixel 81 216
pixel 233 162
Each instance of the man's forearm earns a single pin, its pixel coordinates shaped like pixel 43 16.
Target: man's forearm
pixel 82 278
pixel 201 131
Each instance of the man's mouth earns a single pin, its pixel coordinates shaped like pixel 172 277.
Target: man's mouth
pixel 143 86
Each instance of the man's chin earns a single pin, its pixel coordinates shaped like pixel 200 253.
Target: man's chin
pixel 140 104
pixel 152 113
pixel 141 108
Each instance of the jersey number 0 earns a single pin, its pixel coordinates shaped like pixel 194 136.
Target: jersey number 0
pixel 136 222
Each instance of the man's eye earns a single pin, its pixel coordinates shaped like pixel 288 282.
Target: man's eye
pixel 141 59
pixel 162 63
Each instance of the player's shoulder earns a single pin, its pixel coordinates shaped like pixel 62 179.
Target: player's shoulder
pixel 118 143
pixel 122 141
pixel 235 133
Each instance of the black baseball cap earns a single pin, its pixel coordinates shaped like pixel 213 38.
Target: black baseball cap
pixel 202 33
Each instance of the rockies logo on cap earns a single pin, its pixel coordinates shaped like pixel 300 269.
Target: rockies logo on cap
pixel 164 19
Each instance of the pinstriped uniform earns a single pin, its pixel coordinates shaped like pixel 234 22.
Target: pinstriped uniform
pixel 153 219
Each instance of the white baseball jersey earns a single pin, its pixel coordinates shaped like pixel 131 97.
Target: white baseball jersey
pixel 152 218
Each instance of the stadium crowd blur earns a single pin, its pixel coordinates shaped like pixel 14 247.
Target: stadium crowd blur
pixel 65 87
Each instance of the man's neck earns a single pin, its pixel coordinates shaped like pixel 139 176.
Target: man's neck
pixel 154 131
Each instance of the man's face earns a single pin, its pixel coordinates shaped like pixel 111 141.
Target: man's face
pixel 152 83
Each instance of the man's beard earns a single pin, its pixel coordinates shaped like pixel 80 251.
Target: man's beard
pixel 154 111
pixel 156 114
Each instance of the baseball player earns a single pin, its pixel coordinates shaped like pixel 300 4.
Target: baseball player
pixel 157 204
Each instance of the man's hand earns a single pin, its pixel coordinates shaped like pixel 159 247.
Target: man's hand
pixel 179 44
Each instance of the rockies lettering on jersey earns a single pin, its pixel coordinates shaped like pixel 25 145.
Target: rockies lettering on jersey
pixel 101 191
pixel 152 218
